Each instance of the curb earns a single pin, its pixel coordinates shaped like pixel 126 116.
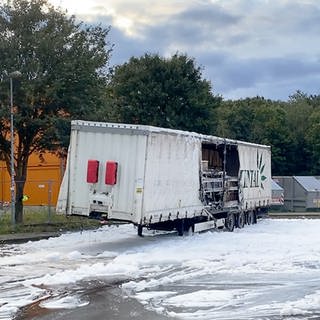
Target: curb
pixel 294 215
pixel 25 237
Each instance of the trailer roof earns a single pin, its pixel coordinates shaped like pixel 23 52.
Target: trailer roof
pixel 145 130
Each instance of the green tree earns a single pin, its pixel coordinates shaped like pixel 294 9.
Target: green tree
pixel 270 127
pixel 304 111
pixel 313 140
pixel 235 119
pixel 299 109
pixel 163 92
pixel 63 67
pixel 258 120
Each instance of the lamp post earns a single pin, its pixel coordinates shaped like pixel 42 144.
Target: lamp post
pixel 12 75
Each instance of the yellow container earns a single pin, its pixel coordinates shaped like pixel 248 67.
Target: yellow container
pixel 43 180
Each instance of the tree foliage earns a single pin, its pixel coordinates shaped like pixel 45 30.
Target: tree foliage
pixel 163 92
pixel 291 129
pixel 313 141
pixel 256 120
pixel 63 75
pixel 303 120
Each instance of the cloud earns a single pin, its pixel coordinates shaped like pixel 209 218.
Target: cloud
pixel 247 47
pixel 274 78
pixel 201 26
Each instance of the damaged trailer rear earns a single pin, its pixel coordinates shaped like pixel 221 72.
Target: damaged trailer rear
pixel 164 179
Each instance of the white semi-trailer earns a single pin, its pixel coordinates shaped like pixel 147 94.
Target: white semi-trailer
pixel 164 179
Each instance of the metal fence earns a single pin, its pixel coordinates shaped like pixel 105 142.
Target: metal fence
pixel 37 195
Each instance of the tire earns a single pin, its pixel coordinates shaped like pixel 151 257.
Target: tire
pixel 230 222
pixel 241 219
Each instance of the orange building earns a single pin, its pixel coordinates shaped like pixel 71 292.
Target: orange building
pixel 43 180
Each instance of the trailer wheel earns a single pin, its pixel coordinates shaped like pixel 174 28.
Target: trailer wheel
pixel 251 217
pixel 140 230
pixel 241 220
pixel 230 222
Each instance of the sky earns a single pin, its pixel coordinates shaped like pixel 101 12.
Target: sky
pixel 245 48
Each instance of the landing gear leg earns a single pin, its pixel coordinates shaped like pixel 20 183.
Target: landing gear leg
pixel 140 230
pixel 180 227
pixel 254 217
pixel 251 217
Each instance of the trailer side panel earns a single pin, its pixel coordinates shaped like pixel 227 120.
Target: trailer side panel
pixel 171 177
pixel 254 176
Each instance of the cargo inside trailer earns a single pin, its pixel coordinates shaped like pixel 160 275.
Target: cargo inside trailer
pixel 219 174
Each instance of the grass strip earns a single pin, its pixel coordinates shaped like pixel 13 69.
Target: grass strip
pixel 41 221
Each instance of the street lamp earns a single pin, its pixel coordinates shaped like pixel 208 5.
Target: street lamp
pixel 12 75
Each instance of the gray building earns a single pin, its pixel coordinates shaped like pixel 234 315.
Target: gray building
pixel 301 193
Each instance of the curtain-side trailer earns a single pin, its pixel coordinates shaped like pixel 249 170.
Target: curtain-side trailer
pixel 164 179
